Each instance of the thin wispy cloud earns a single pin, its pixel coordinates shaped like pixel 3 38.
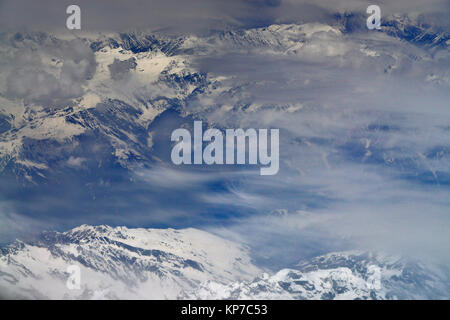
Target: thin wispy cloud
pixel 363 118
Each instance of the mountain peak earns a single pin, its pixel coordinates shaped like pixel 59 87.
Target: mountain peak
pixel 337 275
pixel 122 262
pixel 141 263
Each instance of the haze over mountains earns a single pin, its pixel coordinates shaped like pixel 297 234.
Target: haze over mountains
pixel 85 124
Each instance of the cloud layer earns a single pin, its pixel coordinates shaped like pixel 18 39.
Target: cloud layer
pixel 364 128
pixel 197 16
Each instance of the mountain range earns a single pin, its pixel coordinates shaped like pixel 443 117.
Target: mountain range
pixel 85 124
pixel 122 263
pixel 133 79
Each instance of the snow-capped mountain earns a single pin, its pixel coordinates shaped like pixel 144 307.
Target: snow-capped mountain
pixel 120 263
pixel 85 126
pixel 345 275
pixel 127 88
pixel 127 80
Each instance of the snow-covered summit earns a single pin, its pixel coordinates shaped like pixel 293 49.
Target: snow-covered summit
pixel 341 275
pixel 124 263
pixel 121 263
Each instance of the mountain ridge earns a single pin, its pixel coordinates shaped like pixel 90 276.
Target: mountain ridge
pixel 158 262
pixel 124 263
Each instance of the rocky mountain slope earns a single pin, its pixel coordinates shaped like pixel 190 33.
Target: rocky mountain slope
pixel 346 275
pixel 124 81
pixel 122 263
